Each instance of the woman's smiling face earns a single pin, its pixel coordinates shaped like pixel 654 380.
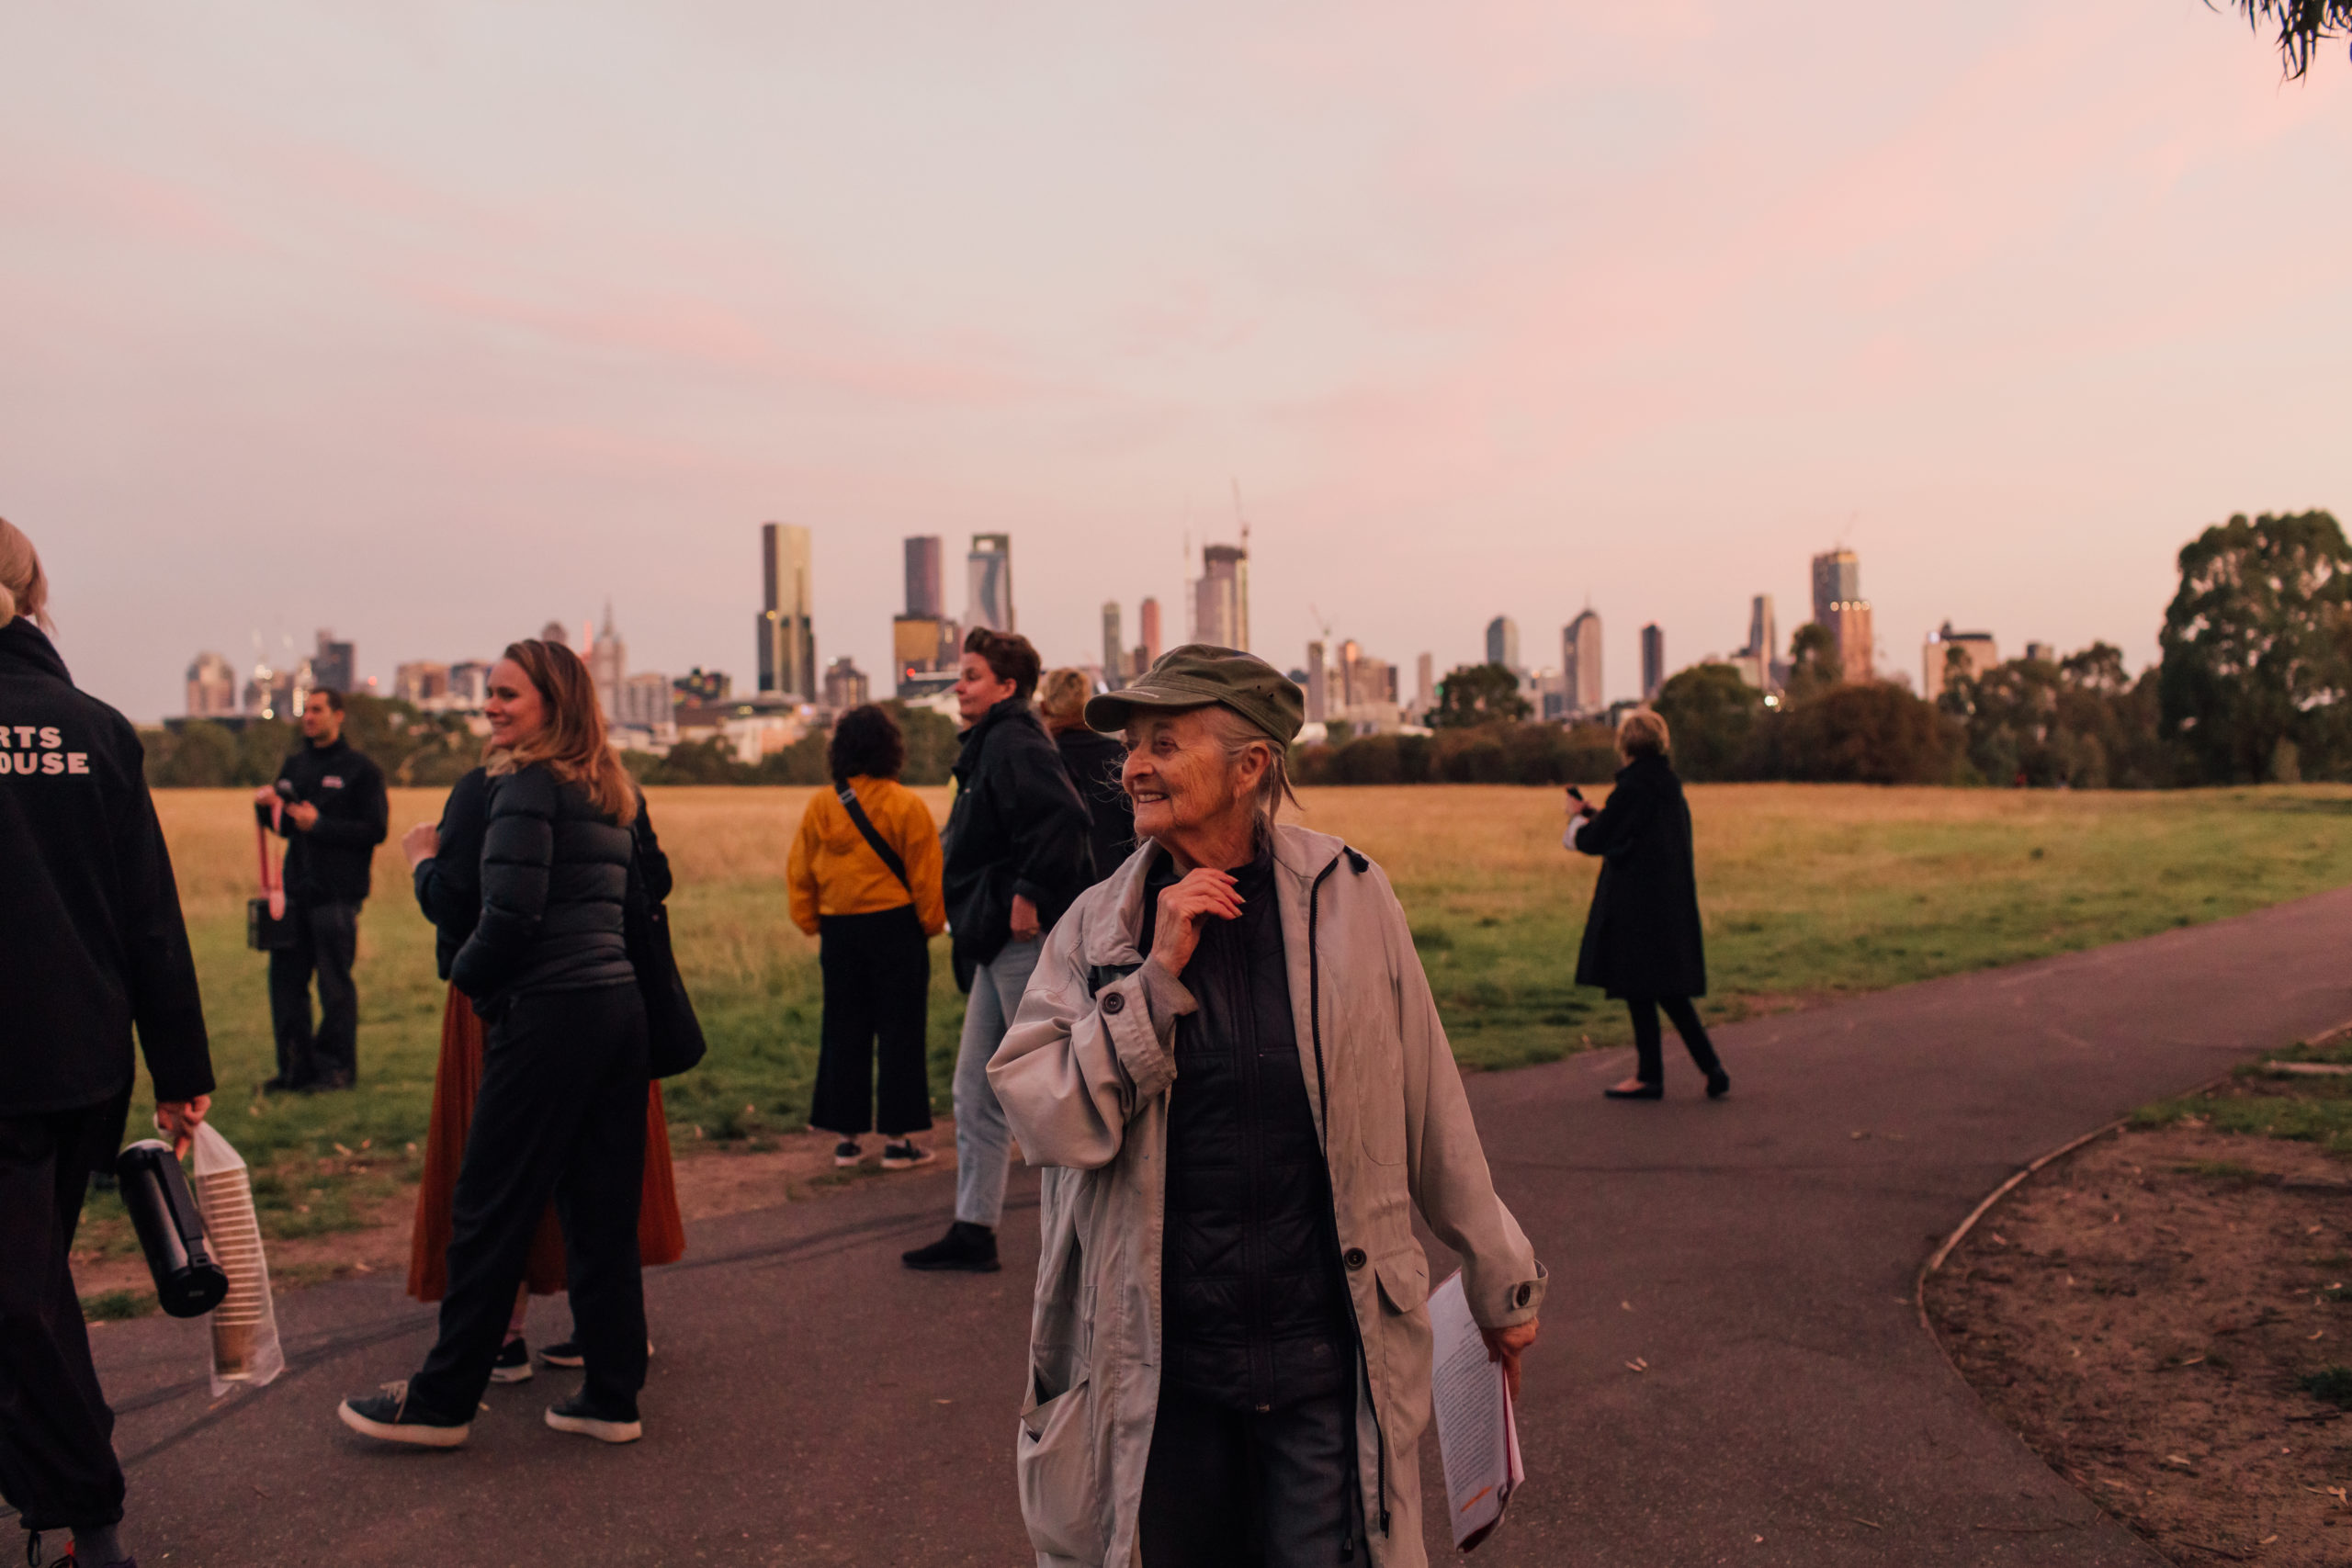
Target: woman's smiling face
pixel 515 709
pixel 1177 771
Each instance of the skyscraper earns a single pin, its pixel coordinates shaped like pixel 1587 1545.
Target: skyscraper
pixel 1147 629
pixel 1114 645
pixel 1838 604
pixel 787 635
pixel 924 596
pixel 989 583
pixel 330 665
pixel 1424 687
pixel 1318 685
pixel 1502 642
pixel 1221 597
pixel 1653 661
pixel 607 663
pixel 1760 662
pixel 212 687
pixel 1580 665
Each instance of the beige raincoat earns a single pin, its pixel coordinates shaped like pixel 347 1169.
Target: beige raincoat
pixel 1084 1077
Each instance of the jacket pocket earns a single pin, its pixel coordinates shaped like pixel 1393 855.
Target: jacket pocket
pixel 1058 1464
pixel 1404 1280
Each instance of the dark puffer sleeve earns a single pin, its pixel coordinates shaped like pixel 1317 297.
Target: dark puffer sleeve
pixel 518 852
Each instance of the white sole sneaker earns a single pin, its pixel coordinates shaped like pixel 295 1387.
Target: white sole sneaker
pixel 603 1431
pixel 510 1374
pixel 384 1431
pixel 901 1162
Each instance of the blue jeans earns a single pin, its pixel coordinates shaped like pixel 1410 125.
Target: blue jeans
pixel 983 1142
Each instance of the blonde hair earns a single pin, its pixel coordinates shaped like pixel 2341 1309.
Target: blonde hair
pixel 1061 698
pixel 1642 733
pixel 24 589
pixel 1238 736
pixel 571 741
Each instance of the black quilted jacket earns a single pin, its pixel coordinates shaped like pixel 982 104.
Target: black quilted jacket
pixel 554 876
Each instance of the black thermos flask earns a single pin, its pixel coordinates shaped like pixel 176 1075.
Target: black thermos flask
pixel 171 1231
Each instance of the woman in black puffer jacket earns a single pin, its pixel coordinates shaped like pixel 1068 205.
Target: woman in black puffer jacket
pixel 561 1108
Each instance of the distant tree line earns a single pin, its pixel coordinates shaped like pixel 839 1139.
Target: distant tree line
pixel 2255 685
pixel 932 744
pixel 411 748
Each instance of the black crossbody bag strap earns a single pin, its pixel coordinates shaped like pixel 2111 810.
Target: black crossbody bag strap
pixel 874 839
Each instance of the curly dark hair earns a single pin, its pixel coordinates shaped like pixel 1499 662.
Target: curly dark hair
pixel 866 743
pixel 1010 658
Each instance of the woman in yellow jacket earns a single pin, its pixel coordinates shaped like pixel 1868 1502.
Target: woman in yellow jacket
pixel 865 879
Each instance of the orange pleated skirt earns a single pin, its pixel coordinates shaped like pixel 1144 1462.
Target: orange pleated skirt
pixel 660 1235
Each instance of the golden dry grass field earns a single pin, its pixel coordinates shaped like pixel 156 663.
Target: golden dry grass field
pixel 1807 891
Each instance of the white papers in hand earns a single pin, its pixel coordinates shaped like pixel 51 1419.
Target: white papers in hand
pixel 1478 1432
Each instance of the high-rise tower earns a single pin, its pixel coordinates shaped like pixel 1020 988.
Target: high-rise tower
pixel 1114 646
pixel 989 583
pixel 1652 660
pixel 924 585
pixel 607 663
pixel 787 651
pixel 1221 597
pixel 1838 604
pixel 1502 642
pixel 1580 665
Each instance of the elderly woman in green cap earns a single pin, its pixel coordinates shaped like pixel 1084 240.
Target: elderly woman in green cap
pixel 1230 1064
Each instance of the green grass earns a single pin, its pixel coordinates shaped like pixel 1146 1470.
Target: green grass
pixel 1807 892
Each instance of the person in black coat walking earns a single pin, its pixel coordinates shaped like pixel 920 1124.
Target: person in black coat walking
pixel 1093 762
pixel 92 945
pixel 1641 941
pixel 561 1108
pixel 329 803
pixel 1015 859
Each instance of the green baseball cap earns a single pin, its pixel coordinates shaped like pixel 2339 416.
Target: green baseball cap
pixel 1196 675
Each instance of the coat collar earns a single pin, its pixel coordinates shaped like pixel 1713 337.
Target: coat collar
pixel 1009 711
pixel 21 642
pixel 1301 855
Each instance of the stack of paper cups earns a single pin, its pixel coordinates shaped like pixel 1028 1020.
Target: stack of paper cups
pixel 244 1326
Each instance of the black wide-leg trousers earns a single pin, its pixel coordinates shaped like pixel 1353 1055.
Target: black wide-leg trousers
pixel 878 984
pixel 57 1460
pixel 562 1115
pixel 326 945
pixel 1647 1042
pixel 1227 1488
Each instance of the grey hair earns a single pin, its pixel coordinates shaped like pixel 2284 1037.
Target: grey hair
pixel 1237 735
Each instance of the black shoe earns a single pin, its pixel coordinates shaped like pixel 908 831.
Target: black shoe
pixel 590 1418
pixel 564 1353
pixel 1718 1084
pixel 514 1363
pixel 905 1153
pixel 966 1246
pixel 1646 1091
pixel 846 1153
pixel 388 1417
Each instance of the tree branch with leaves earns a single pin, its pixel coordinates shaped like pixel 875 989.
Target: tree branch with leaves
pixel 2304 26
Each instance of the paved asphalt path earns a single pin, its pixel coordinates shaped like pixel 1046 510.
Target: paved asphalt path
pixel 813 1403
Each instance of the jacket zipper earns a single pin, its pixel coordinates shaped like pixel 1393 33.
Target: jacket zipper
pixel 1315 1027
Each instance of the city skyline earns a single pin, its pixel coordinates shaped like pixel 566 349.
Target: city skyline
pixel 358 326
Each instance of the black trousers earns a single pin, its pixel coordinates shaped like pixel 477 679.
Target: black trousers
pixel 1227 1488
pixel 878 982
pixel 326 943
pixel 57 1462
pixel 560 1114
pixel 1686 1023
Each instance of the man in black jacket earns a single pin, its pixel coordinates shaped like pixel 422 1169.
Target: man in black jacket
pixel 329 803
pixel 1016 856
pixel 91 945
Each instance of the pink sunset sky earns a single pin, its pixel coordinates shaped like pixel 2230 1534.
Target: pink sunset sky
pixel 429 322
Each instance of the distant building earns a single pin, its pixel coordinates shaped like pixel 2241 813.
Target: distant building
pixel 1653 661
pixel 271 693
pixel 469 685
pixel 1548 695
pixel 701 685
pixel 554 631
pixel 1502 642
pixel 649 701
pixel 1424 687
pixel 1366 694
pixel 751 727
pixel 787 650
pixel 1148 650
pixel 212 687
pixel 333 665
pixel 1838 605
pixel 922 645
pixel 845 686
pixel 1580 676
pixel 923 592
pixel 419 681
pixel 987 582
pixel 1221 597
pixel 1318 685
pixel 1114 646
pixel 2042 653
pixel 607 663
pixel 1949 653
pixel 1760 663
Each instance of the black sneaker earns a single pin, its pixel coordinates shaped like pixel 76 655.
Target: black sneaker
pixel 387 1417
pixel 564 1353
pixel 966 1246
pixel 846 1153
pixel 584 1413
pixel 514 1363
pixel 905 1153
